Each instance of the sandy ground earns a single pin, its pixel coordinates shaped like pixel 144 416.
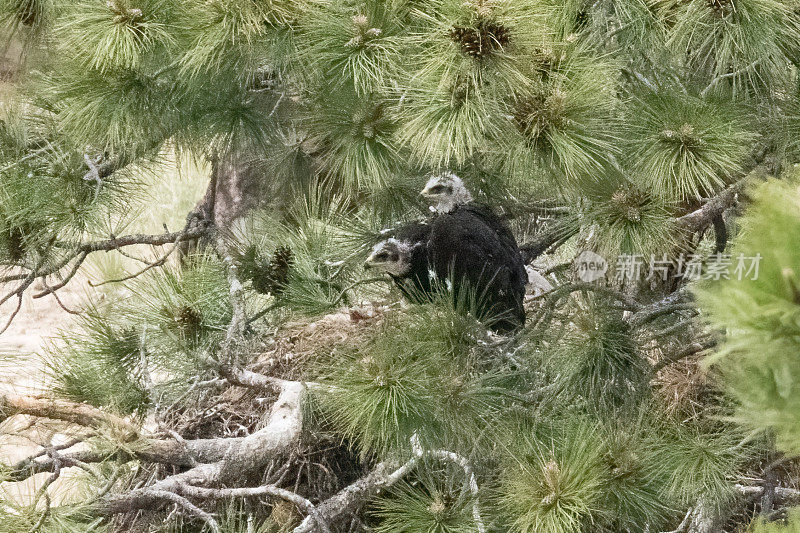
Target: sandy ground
pixel 21 372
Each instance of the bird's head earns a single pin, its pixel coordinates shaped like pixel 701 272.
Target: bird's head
pixel 446 191
pixel 391 256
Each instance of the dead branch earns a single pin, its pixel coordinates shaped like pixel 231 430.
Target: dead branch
pixel 239 457
pixel 55 409
pixel 264 490
pixel 338 509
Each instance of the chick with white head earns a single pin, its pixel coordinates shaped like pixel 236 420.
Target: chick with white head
pixel 391 256
pixel 447 191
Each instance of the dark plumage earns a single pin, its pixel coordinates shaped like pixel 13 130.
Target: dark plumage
pixel 404 257
pixel 464 249
pixel 467 253
pixel 470 244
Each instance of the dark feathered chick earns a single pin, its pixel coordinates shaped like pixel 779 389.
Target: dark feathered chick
pixel 469 245
pixel 404 257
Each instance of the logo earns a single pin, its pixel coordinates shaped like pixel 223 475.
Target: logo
pixel 590 266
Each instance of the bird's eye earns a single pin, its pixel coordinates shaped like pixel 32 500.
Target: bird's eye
pixel 394 258
pixel 437 188
pixel 383 256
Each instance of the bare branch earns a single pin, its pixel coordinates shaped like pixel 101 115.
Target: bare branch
pixel 187 505
pixel 55 409
pixel 341 506
pixel 264 490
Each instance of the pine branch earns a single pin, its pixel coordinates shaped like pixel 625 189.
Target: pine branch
pixel 55 409
pixel 552 298
pixel 702 218
pixel 338 509
pixel 194 229
pixel 546 242
pixel 677 301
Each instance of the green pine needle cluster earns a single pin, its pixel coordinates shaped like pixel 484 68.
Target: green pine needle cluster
pixel 682 147
pixel 554 485
pixel 355 45
pixel 563 118
pixel 424 374
pixel 117 35
pixel 599 361
pixel 741 42
pixel 166 327
pixel 629 220
pixel 435 502
pixel 761 316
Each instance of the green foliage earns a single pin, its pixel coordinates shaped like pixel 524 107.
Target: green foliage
pixel 353 45
pixel 696 464
pixel 563 118
pixel 172 319
pixel 436 502
pixel 554 483
pixel 762 316
pixel 119 34
pixel 792 525
pixel 472 55
pixel 628 220
pixel 101 365
pixel 44 196
pixel 31 13
pixel 741 41
pixel 62 519
pixel 113 111
pixel 422 374
pixel 599 361
pixel 681 147
pixel 634 494
pixel 227 35
pixel 355 134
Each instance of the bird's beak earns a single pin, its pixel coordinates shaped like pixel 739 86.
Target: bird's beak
pixel 425 192
pixel 370 262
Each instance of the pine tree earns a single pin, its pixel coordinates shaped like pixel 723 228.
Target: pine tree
pixel 251 376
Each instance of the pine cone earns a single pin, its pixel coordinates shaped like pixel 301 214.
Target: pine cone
pixel 189 320
pixel 281 263
pixel 273 276
pixel 487 37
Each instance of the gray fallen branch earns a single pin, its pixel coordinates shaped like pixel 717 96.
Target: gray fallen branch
pixel 241 456
pixel 340 507
pixel 255 492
